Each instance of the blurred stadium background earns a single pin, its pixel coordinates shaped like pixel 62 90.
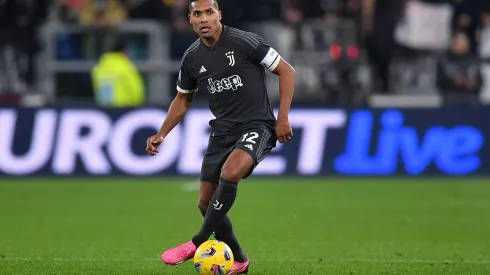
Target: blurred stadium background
pixel 387 173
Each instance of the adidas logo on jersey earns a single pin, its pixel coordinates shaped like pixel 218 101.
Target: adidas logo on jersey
pixel 202 70
pixel 249 146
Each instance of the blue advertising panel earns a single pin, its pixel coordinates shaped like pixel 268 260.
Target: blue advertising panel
pixel 368 142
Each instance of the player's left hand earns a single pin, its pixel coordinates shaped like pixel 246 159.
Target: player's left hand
pixel 284 132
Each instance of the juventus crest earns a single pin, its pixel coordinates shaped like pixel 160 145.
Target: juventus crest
pixel 231 58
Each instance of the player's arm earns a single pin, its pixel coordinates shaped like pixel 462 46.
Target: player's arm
pixel 287 81
pixel 186 87
pixel 179 107
pixel 261 52
pixel 273 62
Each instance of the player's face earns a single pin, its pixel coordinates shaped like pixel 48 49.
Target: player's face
pixel 205 18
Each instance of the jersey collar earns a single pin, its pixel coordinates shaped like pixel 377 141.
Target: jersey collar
pixel 222 36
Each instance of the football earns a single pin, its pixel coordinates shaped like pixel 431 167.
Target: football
pixel 213 258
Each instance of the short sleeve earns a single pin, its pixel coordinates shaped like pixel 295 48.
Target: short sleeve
pixel 262 52
pixel 185 83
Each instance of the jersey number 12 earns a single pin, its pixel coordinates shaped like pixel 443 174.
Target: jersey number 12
pixel 251 138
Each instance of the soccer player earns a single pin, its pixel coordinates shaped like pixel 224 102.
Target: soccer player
pixel 229 66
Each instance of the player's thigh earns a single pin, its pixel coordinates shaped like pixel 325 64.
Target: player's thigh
pixel 256 142
pixel 216 154
pixel 237 165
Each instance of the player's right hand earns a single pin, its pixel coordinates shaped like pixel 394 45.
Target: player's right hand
pixel 152 144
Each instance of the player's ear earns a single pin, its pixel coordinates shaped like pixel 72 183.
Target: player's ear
pixel 220 15
pixel 189 15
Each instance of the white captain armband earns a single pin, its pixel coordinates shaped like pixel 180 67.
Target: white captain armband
pixel 271 60
pixel 186 91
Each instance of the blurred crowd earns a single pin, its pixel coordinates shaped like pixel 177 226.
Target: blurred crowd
pixel 380 30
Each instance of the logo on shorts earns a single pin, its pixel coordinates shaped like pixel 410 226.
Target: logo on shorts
pixel 229 83
pixel 249 146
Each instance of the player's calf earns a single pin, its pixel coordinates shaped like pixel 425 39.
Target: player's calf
pixel 220 204
pixel 224 231
pixel 233 170
pixel 206 192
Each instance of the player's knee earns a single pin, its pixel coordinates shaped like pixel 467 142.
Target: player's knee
pixel 230 174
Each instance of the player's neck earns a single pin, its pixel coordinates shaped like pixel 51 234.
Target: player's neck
pixel 210 42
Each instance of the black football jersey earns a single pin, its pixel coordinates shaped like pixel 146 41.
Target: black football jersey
pixel 232 74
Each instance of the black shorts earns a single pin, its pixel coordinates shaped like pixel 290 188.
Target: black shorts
pixel 256 140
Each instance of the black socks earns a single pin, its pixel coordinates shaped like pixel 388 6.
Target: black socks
pixel 220 204
pixel 224 232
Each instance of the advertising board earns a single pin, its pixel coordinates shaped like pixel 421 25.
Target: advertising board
pixel 368 142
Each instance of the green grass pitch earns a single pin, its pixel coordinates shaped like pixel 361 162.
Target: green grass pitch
pixel 287 226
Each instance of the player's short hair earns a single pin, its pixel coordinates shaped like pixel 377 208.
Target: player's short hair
pixel 215 2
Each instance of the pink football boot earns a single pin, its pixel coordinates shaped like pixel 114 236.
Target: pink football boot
pixel 179 254
pixel 239 268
